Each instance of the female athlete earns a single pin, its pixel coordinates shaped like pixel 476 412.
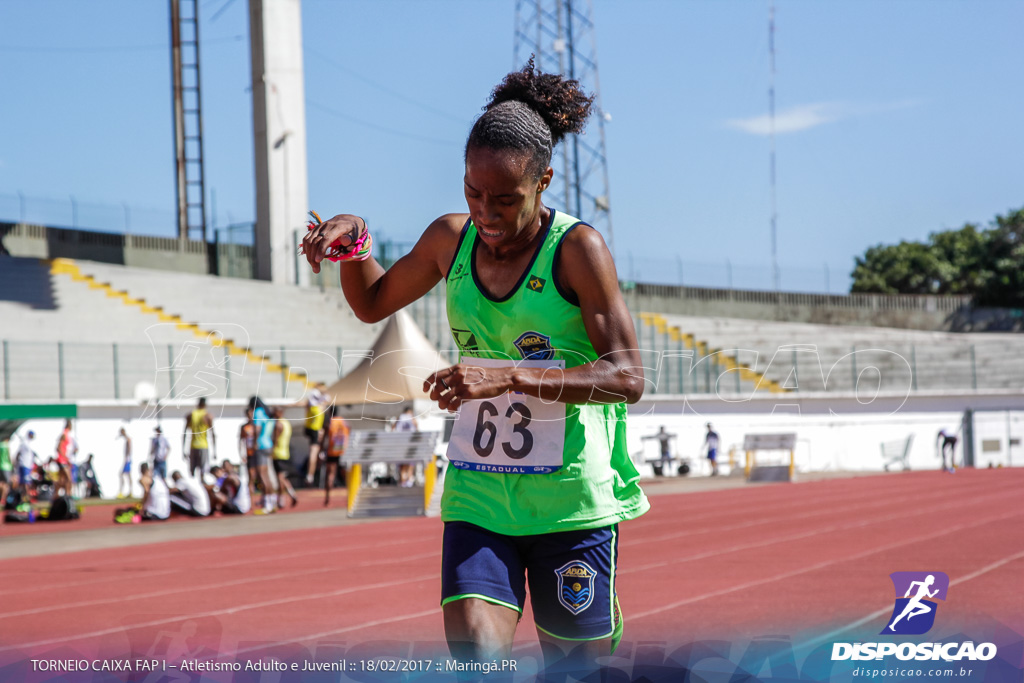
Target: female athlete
pixel 541 477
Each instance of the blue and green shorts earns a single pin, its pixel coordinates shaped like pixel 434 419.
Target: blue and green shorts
pixel 570 574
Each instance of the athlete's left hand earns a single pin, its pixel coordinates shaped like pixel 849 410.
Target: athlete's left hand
pixel 465 382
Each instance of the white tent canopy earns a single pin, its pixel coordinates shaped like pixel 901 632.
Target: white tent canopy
pixel 394 370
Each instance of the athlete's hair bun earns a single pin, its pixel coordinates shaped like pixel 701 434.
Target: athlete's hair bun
pixel 561 102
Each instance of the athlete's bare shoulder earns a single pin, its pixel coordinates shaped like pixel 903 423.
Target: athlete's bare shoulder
pixel 584 255
pixel 450 225
pixel 441 239
pixel 585 262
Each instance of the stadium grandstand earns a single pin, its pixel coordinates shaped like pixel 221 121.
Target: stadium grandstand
pixel 93 316
pixel 80 324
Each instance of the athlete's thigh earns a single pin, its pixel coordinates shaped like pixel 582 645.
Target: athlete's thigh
pixel 483 590
pixel 477 563
pixel 572 584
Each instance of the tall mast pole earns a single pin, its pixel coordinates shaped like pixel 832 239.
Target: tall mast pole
pixel 771 117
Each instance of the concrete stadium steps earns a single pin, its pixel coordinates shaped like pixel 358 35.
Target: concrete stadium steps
pixel 678 362
pixel 801 356
pixel 65 323
pixel 63 327
pixel 305 331
pixel 259 315
pixel 38 305
pixel 71 332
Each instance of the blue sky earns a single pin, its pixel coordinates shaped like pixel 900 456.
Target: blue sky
pixel 895 119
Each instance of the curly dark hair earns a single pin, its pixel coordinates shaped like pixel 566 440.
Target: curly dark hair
pixel 531 112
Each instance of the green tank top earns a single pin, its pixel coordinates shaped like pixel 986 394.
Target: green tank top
pixel 597 484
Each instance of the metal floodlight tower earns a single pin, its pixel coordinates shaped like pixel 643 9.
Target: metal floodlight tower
pixel 188 120
pixel 560 34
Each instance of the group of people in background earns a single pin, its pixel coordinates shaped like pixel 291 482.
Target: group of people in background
pixel 206 486
pixel 27 471
pixel 266 464
pixel 664 439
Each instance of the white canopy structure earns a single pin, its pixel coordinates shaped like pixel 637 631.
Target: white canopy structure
pixel 394 370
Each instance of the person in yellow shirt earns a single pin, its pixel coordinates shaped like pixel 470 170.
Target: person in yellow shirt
pixel 200 425
pixel 316 404
pixel 283 457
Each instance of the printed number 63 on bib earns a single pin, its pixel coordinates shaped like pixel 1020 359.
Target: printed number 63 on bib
pixel 510 434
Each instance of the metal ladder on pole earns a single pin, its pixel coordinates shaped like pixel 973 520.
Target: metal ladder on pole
pixel 188 120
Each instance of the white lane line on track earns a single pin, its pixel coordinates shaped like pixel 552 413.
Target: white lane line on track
pixel 799 536
pixel 888 609
pixel 403 541
pixel 318 552
pixel 220 612
pixel 314 636
pixel 178 554
pixel 876 492
pixel 821 565
pixel 210 586
pixel 771 520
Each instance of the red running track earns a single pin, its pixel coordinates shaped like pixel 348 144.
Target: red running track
pixel 796 559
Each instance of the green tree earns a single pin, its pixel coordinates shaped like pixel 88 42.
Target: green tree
pixel 904 268
pixel 1005 285
pixel 987 264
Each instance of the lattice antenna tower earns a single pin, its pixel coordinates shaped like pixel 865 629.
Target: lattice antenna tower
pixel 560 33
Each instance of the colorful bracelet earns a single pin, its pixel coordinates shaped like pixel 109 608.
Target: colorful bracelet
pixel 357 251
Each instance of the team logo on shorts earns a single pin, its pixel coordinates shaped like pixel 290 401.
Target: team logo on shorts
pixel 914 613
pixel 535 346
pixel 576 586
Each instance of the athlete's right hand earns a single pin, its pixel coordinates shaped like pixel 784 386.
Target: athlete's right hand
pixel 344 228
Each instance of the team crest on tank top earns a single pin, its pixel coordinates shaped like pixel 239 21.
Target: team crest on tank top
pixel 534 346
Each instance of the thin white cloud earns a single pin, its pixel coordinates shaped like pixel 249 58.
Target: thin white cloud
pixel 807 116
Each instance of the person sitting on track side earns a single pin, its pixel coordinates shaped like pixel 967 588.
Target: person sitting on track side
pixel 216 490
pixel 236 489
pixel 189 496
pixel 156 501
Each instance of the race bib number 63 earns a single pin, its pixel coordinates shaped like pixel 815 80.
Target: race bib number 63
pixel 510 434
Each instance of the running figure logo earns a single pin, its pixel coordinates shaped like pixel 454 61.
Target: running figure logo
pixel 914 613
